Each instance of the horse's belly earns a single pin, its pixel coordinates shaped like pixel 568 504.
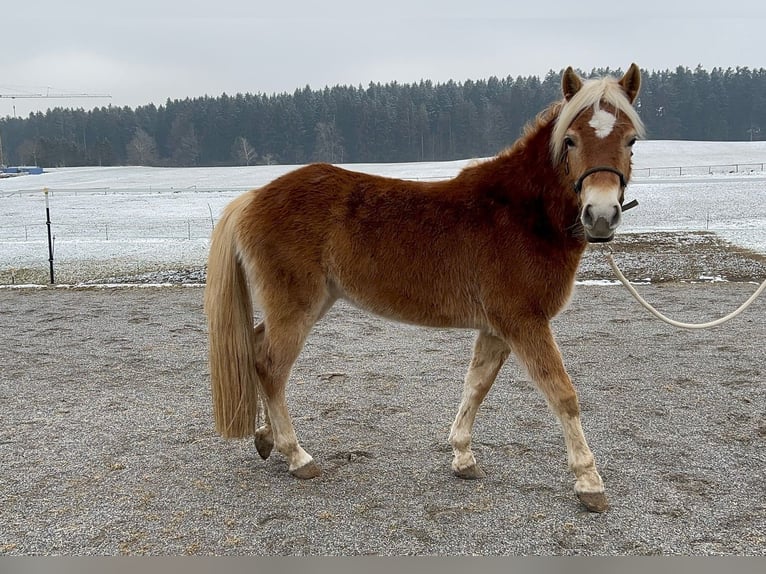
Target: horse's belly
pixel 403 308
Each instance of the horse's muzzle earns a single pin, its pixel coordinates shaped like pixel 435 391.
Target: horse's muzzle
pixel 600 224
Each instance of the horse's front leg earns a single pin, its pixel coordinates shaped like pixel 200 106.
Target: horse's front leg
pixel 537 350
pixel 489 354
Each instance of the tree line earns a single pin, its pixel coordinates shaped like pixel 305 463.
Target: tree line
pixel 380 123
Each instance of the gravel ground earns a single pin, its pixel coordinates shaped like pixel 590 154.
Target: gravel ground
pixel 107 443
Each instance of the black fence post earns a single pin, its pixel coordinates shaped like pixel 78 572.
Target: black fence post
pixel 50 239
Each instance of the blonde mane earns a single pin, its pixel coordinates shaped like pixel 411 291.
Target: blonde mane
pixel 592 93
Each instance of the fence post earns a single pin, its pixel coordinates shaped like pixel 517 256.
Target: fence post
pixel 50 240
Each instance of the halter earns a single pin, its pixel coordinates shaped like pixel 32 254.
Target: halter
pixel 623 184
pixel 587 172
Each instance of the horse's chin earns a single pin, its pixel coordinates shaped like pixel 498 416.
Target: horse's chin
pixel 592 239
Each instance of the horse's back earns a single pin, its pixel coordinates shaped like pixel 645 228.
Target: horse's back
pixel 428 253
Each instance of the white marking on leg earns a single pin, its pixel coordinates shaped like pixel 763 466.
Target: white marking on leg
pixel 460 433
pixel 489 355
pixel 603 122
pixel 285 440
pixel 581 459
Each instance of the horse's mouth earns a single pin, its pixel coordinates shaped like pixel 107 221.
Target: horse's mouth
pixel 592 239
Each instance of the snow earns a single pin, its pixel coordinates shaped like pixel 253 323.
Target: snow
pixel 137 219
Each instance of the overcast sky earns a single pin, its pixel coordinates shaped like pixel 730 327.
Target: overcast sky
pixel 146 51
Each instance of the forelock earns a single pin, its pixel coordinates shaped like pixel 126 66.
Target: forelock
pixel 591 94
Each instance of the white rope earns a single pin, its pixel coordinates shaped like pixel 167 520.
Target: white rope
pixel 679 324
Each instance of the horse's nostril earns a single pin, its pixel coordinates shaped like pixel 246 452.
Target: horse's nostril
pixel 587 215
pixel 617 217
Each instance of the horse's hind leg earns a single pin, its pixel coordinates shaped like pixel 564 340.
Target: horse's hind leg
pixel 276 352
pixel 539 353
pixel 489 353
pixel 273 383
pixel 264 437
pixel 288 318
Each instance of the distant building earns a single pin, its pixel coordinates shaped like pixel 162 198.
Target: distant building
pixel 20 170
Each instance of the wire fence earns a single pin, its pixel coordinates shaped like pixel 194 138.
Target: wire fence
pixel 106 191
pixel 113 214
pixel 187 229
pixel 680 171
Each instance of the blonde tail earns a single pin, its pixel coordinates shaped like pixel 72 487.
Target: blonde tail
pixel 229 311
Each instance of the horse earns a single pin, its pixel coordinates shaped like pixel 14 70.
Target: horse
pixel 494 249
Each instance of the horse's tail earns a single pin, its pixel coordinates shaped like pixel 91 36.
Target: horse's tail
pixel 231 336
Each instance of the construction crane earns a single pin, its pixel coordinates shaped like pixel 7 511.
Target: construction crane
pixel 48 94
pixel 54 95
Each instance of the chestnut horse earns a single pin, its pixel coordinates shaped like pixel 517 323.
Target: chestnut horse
pixel 494 249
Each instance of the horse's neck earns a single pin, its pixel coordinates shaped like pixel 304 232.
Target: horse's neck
pixel 530 177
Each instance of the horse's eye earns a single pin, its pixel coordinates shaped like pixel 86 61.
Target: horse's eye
pixel 631 142
pixel 569 142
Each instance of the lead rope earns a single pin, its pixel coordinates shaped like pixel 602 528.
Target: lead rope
pixel 669 321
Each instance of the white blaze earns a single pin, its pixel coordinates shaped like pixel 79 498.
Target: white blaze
pixel 603 122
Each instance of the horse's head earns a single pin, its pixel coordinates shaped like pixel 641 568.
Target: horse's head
pixel 592 140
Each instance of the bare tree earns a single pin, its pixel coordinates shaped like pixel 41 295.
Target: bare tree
pixel 242 151
pixel 142 149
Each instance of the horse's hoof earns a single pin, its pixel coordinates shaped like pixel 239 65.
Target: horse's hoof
pixel 473 472
pixel 264 442
pixel 594 501
pixel 307 471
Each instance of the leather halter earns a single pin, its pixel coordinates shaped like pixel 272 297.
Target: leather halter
pixel 587 172
pixel 623 184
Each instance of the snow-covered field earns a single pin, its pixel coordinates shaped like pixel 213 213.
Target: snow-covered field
pixel 126 220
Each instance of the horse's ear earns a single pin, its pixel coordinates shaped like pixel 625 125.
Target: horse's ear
pixel 570 83
pixel 631 82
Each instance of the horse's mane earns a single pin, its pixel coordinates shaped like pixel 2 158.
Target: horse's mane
pixel 532 127
pixel 563 112
pixel 592 93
